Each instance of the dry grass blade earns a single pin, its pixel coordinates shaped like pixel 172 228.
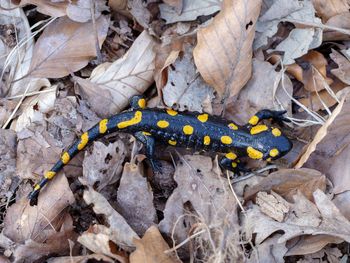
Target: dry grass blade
pixel 223 54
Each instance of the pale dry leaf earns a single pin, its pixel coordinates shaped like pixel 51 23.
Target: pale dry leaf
pixel 8 177
pixel 81 259
pixel 140 12
pixel 118 5
pixel 342 201
pixel 272 205
pixel 263 90
pixel 99 239
pixel 24 222
pixel 329 151
pixel 66 46
pixel 200 187
pixel 329 8
pixel 110 89
pixel 151 249
pixel 177 4
pixel 191 9
pixel 50 8
pixel 338 21
pixel 119 230
pixel 185 88
pixel 103 165
pixel 342 72
pixel 80 11
pixel 306 218
pixel 287 182
pixel 135 199
pixel 223 54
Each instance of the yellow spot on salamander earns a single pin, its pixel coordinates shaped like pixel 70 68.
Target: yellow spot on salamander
pixel 171 112
pixel 37 187
pixel 226 139
pixel 253 153
pixel 103 126
pixel 84 139
pixel 206 140
pixel 231 156
pixel 276 132
pixel 187 129
pixel 146 133
pixel 142 103
pixel 234 165
pixel 134 120
pixel 171 142
pixel 203 117
pixel 49 174
pixel 268 159
pixel 65 158
pixel 254 120
pixel 258 129
pixel 233 126
pixel 274 152
pixel 162 124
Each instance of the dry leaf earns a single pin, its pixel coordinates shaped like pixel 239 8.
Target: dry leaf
pixel 23 222
pixel 263 90
pixel 135 199
pixel 177 4
pixel 306 218
pixel 8 177
pixel 328 8
pixel 118 231
pixel 329 151
pixel 342 201
pixel 191 9
pixel 109 89
pixel 342 72
pixel 272 205
pixel 150 249
pixel 185 88
pixel 338 21
pixel 99 239
pixel 80 11
pixel 224 50
pixel 50 8
pixel 103 165
pixel 140 12
pixel 81 259
pixel 287 182
pixel 66 46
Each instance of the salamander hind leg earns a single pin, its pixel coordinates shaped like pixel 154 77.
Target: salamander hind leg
pixel 138 102
pixel 149 142
pixel 231 163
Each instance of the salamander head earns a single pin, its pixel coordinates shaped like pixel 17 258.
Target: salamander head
pixel 269 145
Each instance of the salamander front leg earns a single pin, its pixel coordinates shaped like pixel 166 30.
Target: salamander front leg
pixel 149 142
pixel 267 114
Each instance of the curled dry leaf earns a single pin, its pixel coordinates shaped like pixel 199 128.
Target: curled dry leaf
pixel 190 10
pixel 329 8
pixel 287 182
pixel 8 178
pixel 263 90
pixel 103 166
pixel 342 72
pixel 223 54
pixel 118 231
pixel 110 89
pixel 329 151
pixel 151 249
pixel 66 46
pixel 35 222
pixel 185 88
pixel 306 218
pixel 135 199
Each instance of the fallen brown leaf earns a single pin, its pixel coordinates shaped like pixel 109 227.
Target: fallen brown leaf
pixel 223 54
pixel 150 249
pixel 111 86
pixel 8 177
pixel 306 218
pixel 81 259
pixel 329 150
pixel 65 47
pixel 287 182
pixel 118 230
pixel 342 72
pixel 338 21
pixel 80 11
pixel 272 205
pixel 50 8
pixel 135 199
pixel 103 165
pixel 328 8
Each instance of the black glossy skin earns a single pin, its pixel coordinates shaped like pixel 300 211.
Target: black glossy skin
pixel 143 124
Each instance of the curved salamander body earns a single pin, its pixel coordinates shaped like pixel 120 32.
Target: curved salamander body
pixel 191 130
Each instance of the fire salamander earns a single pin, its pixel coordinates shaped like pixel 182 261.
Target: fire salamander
pixel 185 129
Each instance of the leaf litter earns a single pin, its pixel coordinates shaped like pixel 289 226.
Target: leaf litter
pixel 84 60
